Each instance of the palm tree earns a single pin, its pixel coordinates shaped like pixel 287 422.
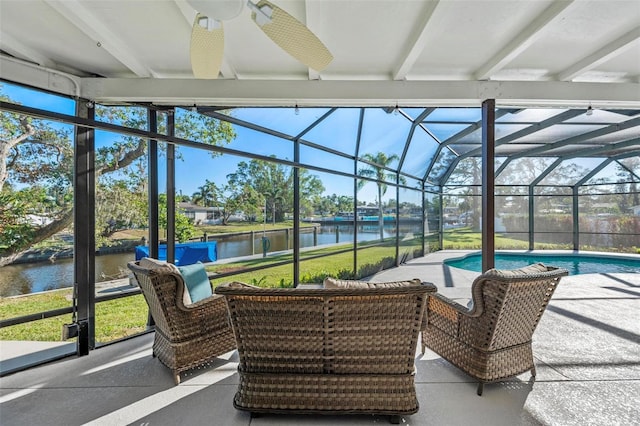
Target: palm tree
pixel 206 194
pixel 377 170
pixel 274 196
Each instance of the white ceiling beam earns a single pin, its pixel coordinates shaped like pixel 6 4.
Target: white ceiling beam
pixel 76 13
pixel 28 73
pixel 601 56
pixel 20 50
pixel 360 93
pixel 522 41
pixel 189 14
pixel 416 45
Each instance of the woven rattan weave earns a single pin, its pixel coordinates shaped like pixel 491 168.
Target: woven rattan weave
pixel 326 351
pixel 186 336
pixel 492 340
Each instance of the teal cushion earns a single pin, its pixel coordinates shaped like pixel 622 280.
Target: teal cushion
pixel 197 282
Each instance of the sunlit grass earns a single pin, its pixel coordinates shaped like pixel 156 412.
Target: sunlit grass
pixel 123 317
pixel 466 239
pixel 114 319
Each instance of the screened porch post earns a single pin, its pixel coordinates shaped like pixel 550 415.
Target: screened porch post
pixel 152 174
pixel 296 213
pixel 488 183
pixel 575 216
pixel 84 241
pixel 171 190
pixel 531 217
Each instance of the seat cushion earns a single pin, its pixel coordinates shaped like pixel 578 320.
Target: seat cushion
pixel 336 283
pixel 197 282
pixel 533 269
pixel 156 265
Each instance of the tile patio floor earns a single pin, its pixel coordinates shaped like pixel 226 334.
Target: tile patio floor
pixel 587 352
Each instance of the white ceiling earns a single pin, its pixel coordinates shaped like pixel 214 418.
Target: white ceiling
pixel 412 52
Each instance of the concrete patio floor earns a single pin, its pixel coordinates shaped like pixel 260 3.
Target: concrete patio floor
pixel 587 352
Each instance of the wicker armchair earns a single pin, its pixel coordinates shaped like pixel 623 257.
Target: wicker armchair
pixel 187 334
pixel 327 350
pixel 492 340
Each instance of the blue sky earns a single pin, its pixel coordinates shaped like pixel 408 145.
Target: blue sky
pixel 196 165
pixel 382 131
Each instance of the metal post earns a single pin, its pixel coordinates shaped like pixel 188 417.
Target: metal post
pixel 488 183
pixel 441 218
pixel 152 162
pixel 397 225
pixel 531 217
pixel 576 221
pixel 296 214
pixel 152 173
pixel 84 245
pixel 424 222
pixel 171 190
pixel 287 236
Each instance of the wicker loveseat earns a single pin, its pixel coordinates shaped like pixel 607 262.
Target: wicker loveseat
pixel 327 350
pixel 491 341
pixel 187 334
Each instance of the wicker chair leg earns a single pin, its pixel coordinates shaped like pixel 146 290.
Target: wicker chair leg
pixel 480 388
pixel 533 371
pixel 176 377
pixel 395 420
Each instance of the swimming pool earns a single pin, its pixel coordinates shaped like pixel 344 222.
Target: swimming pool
pixel 574 263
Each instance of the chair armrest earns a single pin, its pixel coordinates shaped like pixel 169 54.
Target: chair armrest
pixel 431 287
pixel 200 304
pixel 451 303
pixel 201 317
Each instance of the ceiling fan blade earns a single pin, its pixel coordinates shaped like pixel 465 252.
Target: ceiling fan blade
pixel 207 47
pixel 291 35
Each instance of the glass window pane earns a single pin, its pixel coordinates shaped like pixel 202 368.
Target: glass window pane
pixel 254 142
pixel 421 150
pixel 286 120
pixel 327 216
pixel 523 171
pixel 444 131
pixel 410 224
pixel 17 94
pixel 320 158
pixel 571 171
pixel 125 116
pixel 441 166
pixel 384 132
pixel 339 131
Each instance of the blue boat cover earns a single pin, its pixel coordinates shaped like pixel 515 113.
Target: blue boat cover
pixel 186 253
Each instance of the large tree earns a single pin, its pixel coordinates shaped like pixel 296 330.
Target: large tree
pixel 377 169
pixel 35 153
pixel 240 199
pixel 332 204
pixel 275 183
pixel 206 194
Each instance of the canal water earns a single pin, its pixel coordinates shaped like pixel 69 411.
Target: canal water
pixel 42 276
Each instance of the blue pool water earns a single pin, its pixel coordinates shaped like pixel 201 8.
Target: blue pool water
pixel 575 264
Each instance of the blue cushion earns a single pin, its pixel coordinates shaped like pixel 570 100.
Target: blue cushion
pixel 197 281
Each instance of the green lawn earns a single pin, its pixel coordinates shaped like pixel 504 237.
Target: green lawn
pixel 127 316
pixel 114 319
pixel 466 239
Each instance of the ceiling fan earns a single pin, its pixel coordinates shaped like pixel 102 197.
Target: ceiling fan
pixel 207 35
